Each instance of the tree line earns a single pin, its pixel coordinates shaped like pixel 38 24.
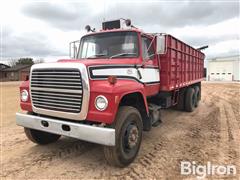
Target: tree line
pixel 27 61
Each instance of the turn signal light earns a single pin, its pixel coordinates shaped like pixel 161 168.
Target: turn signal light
pixel 112 79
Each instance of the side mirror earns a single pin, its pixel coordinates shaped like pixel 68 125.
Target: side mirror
pixel 160 49
pixel 73 49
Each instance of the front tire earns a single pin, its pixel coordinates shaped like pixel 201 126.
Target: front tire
pixel 40 137
pixel 128 128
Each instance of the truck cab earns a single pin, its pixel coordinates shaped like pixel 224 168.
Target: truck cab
pixel 107 93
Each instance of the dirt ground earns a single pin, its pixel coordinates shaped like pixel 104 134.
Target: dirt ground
pixel 210 133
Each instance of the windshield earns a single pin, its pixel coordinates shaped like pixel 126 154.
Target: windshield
pixel 109 45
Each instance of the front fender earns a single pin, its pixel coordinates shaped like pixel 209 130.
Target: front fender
pixel 114 94
pixel 26 106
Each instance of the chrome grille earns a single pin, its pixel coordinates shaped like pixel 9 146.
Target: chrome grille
pixel 57 89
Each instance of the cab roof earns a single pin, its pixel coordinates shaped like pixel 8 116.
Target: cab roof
pixel 116 30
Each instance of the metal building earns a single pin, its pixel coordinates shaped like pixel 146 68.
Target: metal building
pixel 224 69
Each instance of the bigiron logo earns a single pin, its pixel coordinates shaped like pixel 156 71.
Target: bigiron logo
pixel 201 171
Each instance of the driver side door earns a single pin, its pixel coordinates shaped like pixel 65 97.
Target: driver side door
pixel 150 70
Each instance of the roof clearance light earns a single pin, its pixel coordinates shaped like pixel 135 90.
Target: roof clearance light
pixel 88 28
pixel 128 22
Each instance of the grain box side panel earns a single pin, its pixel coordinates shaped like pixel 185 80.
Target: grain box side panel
pixel 181 66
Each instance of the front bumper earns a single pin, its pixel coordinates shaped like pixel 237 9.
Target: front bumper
pixel 99 135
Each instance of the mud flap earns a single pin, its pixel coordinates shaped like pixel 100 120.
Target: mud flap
pixel 155 114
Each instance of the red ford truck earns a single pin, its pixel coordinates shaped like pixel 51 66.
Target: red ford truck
pixel 111 90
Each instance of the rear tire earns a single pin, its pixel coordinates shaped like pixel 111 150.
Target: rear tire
pixel 197 95
pixel 40 137
pixel 181 99
pixel 190 100
pixel 128 128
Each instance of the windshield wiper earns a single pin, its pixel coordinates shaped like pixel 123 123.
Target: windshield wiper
pixel 122 54
pixel 96 55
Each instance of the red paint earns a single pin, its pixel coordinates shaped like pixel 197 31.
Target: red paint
pixel 181 66
pixel 25 105
pixel 111 92
pixel 112 79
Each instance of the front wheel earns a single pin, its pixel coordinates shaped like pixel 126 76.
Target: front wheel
pixel 128 128
pixel 40 137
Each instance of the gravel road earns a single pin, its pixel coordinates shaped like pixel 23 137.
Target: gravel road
pixel 210 133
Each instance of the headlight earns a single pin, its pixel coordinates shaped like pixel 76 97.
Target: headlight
pixel 101 103
pixel 24 95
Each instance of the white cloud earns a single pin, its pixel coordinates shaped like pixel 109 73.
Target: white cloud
pixel 215 31
pixel 29 29
pixel 222 38
pixel 225 48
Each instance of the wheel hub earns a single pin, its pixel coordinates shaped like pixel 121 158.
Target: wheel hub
pixel 132 136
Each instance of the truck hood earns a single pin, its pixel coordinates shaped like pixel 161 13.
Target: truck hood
pixel 91 62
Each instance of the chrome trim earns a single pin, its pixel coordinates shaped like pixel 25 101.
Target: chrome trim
pixel 51 103
pixel 58 86
pixel 46 95
pixel 42 72
pixel 99 135
pixel 55 90
pixel 55 82
pixel 63 108
pixel 104 99
pixel 24 90
pixel 85 85
pixel 52 75
pixel 53 100
pixel 74 80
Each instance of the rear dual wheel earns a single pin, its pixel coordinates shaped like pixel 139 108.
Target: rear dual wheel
pixel 128 133
pixel 181 101
pixel 192 98
pixel 197 95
